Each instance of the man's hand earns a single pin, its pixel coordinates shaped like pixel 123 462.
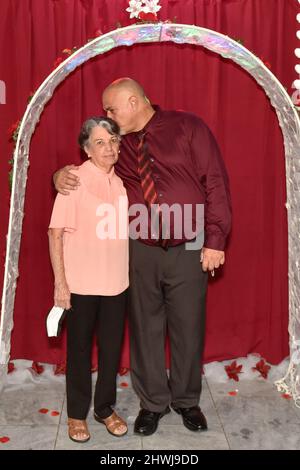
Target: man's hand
pixel 211 259
pixel 64 180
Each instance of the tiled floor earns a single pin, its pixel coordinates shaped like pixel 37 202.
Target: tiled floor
pixel 257 417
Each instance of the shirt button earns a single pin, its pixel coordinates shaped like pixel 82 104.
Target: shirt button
pixel 151 160
pixel 160 195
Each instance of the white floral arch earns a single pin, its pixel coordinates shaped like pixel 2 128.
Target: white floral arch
pixel 180 34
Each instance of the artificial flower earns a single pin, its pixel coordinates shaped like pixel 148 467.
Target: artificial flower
pixel 135 7
pixel 67 51
pixel 37 368
pixel 60 369
pixel 233 370
pixel 151 6
pixel 147 16
pixel 97 33
pixel 11 367
pixel 14 130
pixel 123 370
pixel 262 368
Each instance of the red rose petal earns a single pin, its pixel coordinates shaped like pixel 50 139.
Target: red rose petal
pixel 124 384
pixel 123 370
pixel 233 393
pixel 43 411
pixel 4 439
pixel 287 396
pixel 55 413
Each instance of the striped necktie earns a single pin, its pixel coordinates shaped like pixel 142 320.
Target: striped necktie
pixel 148 185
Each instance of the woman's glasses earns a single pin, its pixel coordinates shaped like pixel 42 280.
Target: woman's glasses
pixel 114 140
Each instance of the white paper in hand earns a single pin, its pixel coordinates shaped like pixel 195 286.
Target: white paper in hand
pixel 54 321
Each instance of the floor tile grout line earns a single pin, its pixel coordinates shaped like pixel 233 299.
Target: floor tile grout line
pixel 59 422
pixel 215 406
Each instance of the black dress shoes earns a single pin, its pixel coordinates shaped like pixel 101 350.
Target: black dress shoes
pixel 147 421
pixel 192 418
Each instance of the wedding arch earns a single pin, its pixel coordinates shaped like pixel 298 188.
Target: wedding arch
pixel 179 34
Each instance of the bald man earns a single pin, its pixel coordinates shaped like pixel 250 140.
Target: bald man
pixel 167 158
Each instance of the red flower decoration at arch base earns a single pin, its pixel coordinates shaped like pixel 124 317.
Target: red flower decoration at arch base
pixel 60 369
pixel 262 368
pixel 38 368
pixel 11 367
pixel 233 370
pixel 123 371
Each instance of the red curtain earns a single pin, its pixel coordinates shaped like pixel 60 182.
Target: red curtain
pixel 247 301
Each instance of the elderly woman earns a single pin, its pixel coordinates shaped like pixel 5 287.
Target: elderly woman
pixel 89 256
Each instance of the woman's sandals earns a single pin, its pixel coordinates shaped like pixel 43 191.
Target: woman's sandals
pixel 78 430
pixel 114 424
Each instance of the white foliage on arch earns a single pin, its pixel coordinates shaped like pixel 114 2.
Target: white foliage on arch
pixel 179 34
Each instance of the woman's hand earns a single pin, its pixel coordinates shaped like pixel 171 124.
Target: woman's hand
pixel 62 295
pixel 64 180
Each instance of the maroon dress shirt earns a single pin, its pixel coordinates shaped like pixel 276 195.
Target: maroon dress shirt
pixel 187 168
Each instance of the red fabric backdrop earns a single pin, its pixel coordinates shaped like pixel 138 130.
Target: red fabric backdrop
pixel 248 300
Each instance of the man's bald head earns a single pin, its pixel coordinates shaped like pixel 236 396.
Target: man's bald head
pixel 127 85
pixel 124 100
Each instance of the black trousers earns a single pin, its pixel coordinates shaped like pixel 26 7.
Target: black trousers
pixel 167 293
pixel 105 315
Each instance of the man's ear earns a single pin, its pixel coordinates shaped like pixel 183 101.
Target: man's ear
pixel 133 102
